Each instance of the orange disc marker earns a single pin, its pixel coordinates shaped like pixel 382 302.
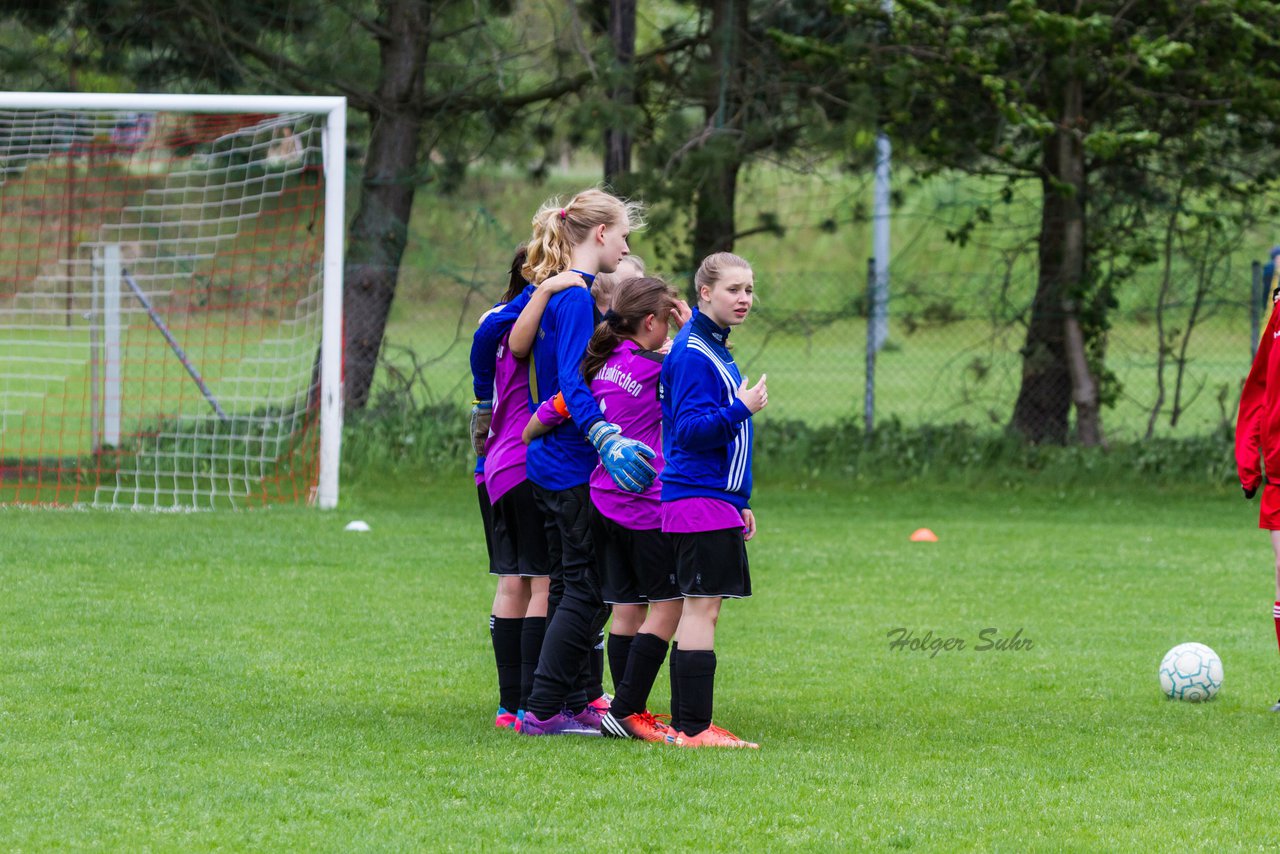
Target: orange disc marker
pixel 923 535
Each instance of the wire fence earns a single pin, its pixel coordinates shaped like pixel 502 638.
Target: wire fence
pixel 1175 354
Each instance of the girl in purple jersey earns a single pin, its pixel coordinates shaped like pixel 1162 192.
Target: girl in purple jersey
pixel 635 558
pixel 515 526
pixel 519 554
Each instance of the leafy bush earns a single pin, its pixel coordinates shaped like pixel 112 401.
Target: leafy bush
pixel 960 451
pixel 392 435
pixel 433 437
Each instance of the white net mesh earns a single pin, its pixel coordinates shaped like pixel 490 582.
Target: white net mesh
pixel 160 307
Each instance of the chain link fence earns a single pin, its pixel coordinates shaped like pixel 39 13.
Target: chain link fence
pixel 1176 352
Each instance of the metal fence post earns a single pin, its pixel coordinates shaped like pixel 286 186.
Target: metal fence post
pixel 869 394
pixel 1257 300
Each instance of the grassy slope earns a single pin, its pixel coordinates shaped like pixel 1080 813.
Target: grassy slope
pixel 933 371
pixel 265 680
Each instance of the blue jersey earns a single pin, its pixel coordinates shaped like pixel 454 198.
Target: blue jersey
pixel 706 430
pixel 563 458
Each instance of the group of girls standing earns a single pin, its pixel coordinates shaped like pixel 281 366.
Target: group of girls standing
pixel 579 522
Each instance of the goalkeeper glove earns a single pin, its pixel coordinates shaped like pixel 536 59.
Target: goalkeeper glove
pixel 626 460
pixel 481 416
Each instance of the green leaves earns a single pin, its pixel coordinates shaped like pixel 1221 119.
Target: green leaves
pixel 1109 144
pixel 1161 57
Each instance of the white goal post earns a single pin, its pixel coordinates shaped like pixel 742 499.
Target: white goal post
pixel 170 299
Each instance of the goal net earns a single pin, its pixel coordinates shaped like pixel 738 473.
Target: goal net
pixel 170 300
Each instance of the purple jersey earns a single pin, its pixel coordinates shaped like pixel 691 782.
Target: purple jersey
pixel 627 390
pixel 505 452
pixel 696 515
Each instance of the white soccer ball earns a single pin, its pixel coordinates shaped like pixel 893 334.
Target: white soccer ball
pixel 1191 671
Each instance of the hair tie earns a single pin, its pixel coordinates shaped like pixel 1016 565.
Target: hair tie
pixel 612 318
pixel 564 214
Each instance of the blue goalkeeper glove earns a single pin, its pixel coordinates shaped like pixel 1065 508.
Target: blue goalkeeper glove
pixel 626 460
pixel 481 416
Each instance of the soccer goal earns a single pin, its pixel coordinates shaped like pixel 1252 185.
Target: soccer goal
pixel 170 299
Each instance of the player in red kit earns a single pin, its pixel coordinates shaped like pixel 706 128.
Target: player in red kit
pixel 1258 442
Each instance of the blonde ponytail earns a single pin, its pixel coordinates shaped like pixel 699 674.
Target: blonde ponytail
pixel 560 226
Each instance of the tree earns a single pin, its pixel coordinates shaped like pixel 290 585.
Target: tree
pixel 738 98
pixel 486 74
pixel 1094 101
pixel 622 39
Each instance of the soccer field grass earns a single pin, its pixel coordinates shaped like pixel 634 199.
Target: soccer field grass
pixel 266 681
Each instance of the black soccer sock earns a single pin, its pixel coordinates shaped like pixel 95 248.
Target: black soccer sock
pixel 647 654
pixel 697 689
pixel 619 650
pixel 672 664
pixel 595 687
pixel 506 653
pixel 531 633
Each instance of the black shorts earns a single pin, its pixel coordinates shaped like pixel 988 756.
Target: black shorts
pixel 636 567
pixel 712 563
pixel 519 539
pixel 486 516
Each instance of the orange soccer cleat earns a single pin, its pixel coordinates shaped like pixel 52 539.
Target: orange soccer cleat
pixel 712 736
pixel 642 726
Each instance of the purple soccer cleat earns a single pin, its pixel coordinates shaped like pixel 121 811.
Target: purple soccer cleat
pixel 558 724
pixel 591 717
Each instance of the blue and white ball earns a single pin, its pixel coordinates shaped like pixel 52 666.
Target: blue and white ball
pixel 1192 672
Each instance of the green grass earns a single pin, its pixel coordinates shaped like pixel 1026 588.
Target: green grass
pixel 265 681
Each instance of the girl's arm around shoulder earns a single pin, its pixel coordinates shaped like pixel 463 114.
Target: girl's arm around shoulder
pixel 525 330
pixel 550 415
pixel 484 344
pixel 575 322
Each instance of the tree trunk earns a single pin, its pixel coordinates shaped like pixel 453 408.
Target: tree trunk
pixel 617 140
pixel 1055 366
pixel 378 233
pixel 714 224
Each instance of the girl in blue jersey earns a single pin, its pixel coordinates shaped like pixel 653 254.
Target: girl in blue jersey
pixel 587 235
pixel 706 486
pixel 635 558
